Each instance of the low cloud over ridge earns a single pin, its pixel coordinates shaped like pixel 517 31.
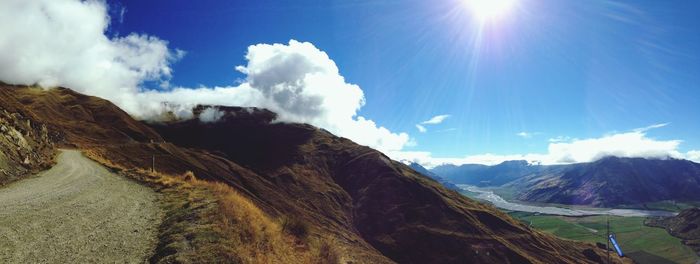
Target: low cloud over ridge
pixel 63 43
pixel 563 150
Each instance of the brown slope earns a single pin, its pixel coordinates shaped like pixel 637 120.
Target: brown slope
pixel 404 215
pixel 370 205
pixel 107 132
pixel 73 118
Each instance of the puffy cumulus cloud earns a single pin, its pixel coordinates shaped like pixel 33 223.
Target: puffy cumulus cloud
pixel 564 150
pixel 300 83
pixel 63 43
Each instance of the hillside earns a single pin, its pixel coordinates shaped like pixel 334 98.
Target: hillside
pixel 368 207
pixel 684 226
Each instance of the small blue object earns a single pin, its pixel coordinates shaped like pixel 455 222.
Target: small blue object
pixel 617 247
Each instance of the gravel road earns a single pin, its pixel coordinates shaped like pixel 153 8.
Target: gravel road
pixel 77 212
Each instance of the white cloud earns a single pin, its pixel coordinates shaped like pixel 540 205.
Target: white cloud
pixel 559 139
pixel 629 144
pixel 301 84
pixel 435 120
pixel 563 150
pixel 426 159
pixel 525 134
pixel 432 121
pixel 63 43
pixel 693 155
pixel 210 115
pixel 647 128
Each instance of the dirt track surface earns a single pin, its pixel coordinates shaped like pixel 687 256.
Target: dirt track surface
pixel 77 212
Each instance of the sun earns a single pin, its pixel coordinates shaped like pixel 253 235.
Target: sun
pixel 486 10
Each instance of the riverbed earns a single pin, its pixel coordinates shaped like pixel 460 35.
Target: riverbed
pixel 498 201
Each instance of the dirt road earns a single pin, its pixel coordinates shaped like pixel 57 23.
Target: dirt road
pixel 77 212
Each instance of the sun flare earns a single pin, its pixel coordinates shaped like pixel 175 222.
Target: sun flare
pixel 485 10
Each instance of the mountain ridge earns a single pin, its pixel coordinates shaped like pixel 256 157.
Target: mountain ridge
pixel 377 210
pixel 608 182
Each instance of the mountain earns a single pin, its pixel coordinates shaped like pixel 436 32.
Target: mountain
pixel 685 225
pixel 373 209
pixel 482 175
pixel 422 170
pixel 614 181
pixel 608 182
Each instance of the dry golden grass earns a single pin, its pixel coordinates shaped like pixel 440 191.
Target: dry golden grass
pixel 235 230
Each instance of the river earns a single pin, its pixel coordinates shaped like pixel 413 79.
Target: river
pixel 498 201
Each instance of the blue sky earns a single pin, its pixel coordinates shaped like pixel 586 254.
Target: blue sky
pixel 603 77
pixel 578 69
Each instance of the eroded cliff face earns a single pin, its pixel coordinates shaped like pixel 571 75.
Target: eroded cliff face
pixel 25 147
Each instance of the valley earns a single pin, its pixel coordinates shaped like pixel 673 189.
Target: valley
pixel 492 197
pixel 641 242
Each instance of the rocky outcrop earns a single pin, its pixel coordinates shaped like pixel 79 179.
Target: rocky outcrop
pixel 25 146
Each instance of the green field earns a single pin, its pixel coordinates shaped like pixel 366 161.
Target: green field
pixel 644 244
pixel 663 205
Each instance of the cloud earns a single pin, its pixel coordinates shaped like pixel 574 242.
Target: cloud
pixel 435 120
pixel 563 150
pixel 63 43
pixel 693 155
pixel 525 134
pixel 647 128
pixel 210 115
pixel 300 83
pixel 559 139
pixel 629 144
pixel 432 121
pixel 426 159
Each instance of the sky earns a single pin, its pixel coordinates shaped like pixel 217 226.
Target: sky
pixel 450 81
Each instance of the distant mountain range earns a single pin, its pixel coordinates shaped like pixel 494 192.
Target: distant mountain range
pixel 422 170
pixel 608 182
